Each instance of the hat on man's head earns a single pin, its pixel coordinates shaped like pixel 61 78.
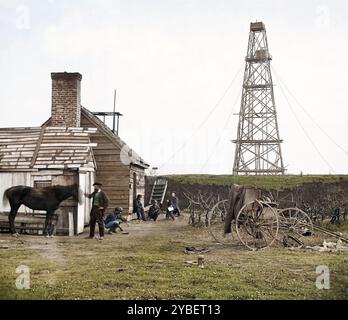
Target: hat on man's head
pixel 97 184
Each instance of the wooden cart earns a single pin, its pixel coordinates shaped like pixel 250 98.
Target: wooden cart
pixel 259 224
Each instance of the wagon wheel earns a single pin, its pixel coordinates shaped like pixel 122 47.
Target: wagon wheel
pixel 295 225
pixel 257 225
pixel 216 222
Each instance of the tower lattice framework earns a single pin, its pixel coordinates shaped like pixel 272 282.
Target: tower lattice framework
pixel 258 150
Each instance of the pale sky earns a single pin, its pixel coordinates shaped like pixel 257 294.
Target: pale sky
pixel 171 63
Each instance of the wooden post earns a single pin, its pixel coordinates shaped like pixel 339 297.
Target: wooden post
pixel 201 261
pixel 114 115
pixel 71 224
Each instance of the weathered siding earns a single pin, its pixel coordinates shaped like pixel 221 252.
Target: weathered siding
pixel 111 172
pixel 72 217
pixel 10 179
pixel 68 208
pixel 86 180
pixel 137 186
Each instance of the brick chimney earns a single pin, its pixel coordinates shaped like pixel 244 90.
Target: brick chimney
pixel 66 99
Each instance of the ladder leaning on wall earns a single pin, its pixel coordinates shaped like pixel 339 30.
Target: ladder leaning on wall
pixel 159 190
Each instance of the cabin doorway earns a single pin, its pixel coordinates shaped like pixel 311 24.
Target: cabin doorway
pixel 134 185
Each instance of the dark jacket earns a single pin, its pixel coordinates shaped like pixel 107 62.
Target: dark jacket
pixel 103 199
pixel 137 206
pixel 154 210
pixel 175 202
pixel 109 218
pixel 114 217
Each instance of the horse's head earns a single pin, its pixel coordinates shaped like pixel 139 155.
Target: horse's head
pixel 77 193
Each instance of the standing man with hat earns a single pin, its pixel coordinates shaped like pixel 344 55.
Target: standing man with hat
pixel 99 203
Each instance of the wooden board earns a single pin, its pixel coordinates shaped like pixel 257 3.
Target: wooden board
pixel 115 175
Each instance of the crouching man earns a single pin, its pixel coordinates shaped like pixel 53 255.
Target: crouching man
pixel 154 211
pixel 113 220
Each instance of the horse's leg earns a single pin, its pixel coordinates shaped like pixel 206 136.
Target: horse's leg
pixel 12 217
pixel 48 223
pixel 51 225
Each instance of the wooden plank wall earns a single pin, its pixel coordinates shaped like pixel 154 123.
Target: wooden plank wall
pixel 86 180
pixel 58 177
pixel 10 179
pixel 111 172
pixel 69 205
pixel 140 184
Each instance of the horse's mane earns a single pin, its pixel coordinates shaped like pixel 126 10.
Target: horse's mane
pixel 60 190
pixel 59 187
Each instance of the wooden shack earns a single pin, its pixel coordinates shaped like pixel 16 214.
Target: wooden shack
pixel 119 168
pixel 44 156
pixel 72 146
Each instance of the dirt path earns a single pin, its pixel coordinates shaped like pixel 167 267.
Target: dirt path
pixel 50 249
pixel 56 249
pixel 59 249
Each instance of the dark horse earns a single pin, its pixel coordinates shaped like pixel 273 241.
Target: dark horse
pixel 47 199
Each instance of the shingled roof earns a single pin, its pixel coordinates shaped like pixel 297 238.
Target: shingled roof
pixel 45 148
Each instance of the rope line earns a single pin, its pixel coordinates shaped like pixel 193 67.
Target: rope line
pixel 205 119
pixel 309 115
pixel 223 130
pixel 303 128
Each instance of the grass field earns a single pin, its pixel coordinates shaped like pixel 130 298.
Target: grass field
pixel 150 263
pixel 266 182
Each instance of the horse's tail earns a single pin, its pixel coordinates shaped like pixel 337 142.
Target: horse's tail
pixel 6 196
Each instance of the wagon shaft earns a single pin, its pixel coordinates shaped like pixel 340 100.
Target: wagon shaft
pixel 330 233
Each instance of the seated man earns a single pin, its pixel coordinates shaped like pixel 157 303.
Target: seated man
pixel 170 211
pixel 153 210
pixel 138 208
pixel 113 221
